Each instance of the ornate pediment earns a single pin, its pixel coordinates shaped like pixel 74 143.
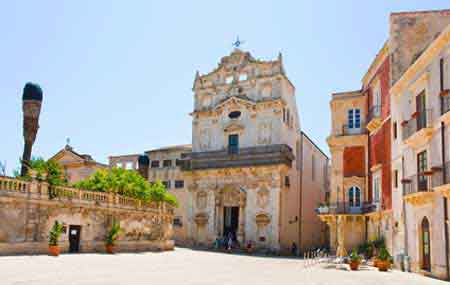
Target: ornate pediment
pixel 233 127
pixel 235 102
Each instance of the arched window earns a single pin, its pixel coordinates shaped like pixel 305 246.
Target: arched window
pixel 426 246
pixel 354 197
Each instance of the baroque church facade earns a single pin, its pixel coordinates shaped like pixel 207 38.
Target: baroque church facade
pixel 250 173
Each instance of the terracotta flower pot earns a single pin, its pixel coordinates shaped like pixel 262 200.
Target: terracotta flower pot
pixel 53 250
pixel 354 265
pixel 384 265
pixel 110 248
pixel 375 262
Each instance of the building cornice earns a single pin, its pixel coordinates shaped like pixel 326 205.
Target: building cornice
pixel 375 65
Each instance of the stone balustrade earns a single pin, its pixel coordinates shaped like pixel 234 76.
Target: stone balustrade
pixel 41 190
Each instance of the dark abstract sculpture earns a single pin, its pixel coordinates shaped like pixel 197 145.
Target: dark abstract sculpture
pixel 31 106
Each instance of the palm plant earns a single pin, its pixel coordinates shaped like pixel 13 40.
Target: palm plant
pixel 55 233
pixel 113 233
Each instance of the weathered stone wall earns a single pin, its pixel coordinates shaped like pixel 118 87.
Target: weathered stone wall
pixel 410 34
pixel 27 215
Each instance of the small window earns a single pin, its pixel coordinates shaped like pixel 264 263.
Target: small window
pixel 395 178
pixel 394 130
pixel 234 114
pixel 129 165
pixel 178 162
pixel 229 79
pixel 166 184
pixel 179 184
pixel 287 182
pixel 177 222
pixel 119 165
pixel 155 164
pixel 243 77
pixel 167 163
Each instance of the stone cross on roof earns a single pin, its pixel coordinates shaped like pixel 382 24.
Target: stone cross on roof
pixel 238 43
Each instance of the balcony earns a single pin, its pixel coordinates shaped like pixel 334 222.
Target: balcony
pixel 440 184
pixel 346 136
pixel 418 130
pixel 249 156
pixel 346 208
pixel 445 106
pixel 418 189
pixel 374 118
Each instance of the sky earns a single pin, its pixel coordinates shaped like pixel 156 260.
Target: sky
pixel 117 75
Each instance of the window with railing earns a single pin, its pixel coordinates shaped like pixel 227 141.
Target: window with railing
pixel 420 119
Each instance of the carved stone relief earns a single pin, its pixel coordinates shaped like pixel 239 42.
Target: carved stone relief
pixel 201 200
pixel 262 198
pixel 205 139
pixel 265 133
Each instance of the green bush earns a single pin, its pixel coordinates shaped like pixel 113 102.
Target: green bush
pixel 384 255
pixel 55 173
pixel 354 256
pixel 55 233
pixel 127 183
pixel 113 233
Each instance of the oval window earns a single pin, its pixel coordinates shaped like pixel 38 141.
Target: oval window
pixel 234 115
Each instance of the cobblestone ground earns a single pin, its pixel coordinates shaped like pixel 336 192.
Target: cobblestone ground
pixel 184 266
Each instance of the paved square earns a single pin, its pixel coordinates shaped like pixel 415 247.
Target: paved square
pixel 185 266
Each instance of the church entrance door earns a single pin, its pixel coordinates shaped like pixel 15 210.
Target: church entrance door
pixel 230 221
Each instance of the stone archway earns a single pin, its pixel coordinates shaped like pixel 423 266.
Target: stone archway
pixel 231 199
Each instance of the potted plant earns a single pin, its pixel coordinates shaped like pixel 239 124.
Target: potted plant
pixel 112 236
pixel 323 208
pixel 384 259
pixel 355 260
pixel 53 238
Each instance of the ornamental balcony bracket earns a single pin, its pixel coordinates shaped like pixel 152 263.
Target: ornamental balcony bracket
pixel 374 118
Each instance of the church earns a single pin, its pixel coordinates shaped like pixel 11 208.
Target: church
pixel 251 172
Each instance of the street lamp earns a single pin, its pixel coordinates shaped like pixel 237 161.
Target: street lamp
pixel 31 106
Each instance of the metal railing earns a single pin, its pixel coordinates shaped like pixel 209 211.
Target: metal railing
pixel 348 208
pixel 438 175
pixel 374 112
pixel 413 125
pixel 418 183
pixel 345 130
pixel 445 104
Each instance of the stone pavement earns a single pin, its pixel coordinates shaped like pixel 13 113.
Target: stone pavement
pixel 185 267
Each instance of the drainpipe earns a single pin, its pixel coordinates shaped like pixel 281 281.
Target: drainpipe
pixel 444 180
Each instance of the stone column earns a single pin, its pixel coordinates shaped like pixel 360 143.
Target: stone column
pixel 218 220
pixel 241 226
pixel 341 237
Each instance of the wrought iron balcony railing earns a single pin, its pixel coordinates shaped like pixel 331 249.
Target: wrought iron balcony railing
pixel 347 130
pixel 248 156
pixel 348 208
pixel 445 104
pixel 418 122
pixel 420 183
